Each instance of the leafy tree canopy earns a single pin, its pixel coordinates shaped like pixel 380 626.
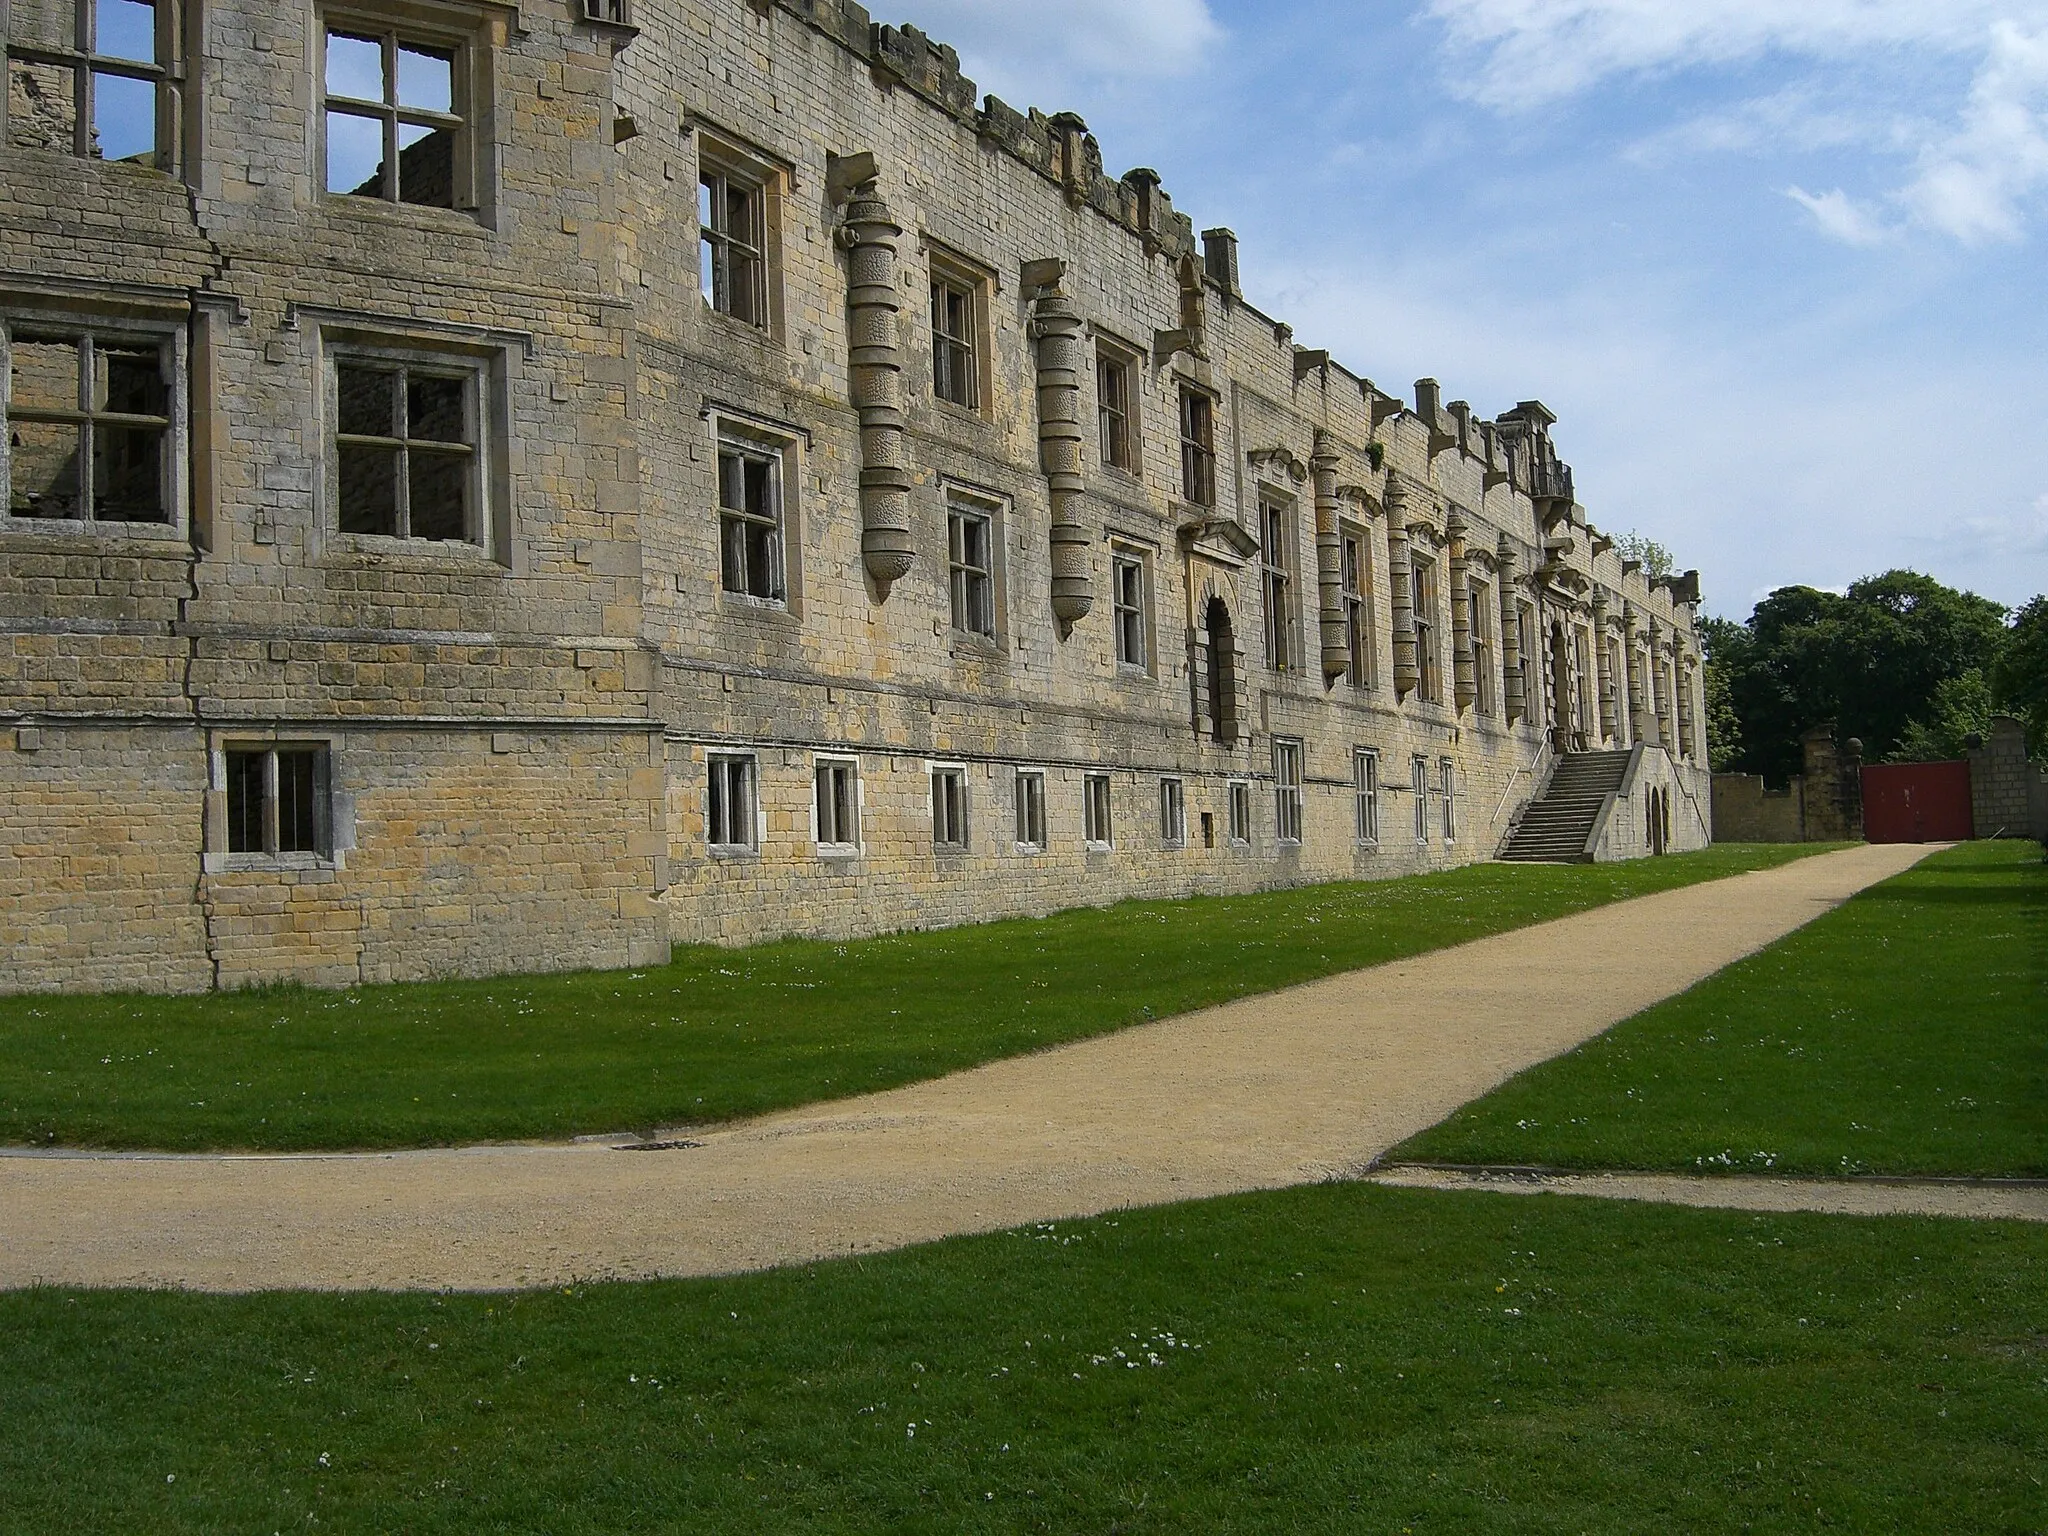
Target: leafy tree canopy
pixel 2019 683
pixel 1657 560
pixel 1899 660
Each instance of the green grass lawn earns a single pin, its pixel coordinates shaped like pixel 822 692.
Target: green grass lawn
pixel 721 1033
pixel 1905 1033
pixel 1340 1358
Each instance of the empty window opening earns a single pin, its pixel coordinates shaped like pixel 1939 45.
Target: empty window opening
pixel 1419 783
pixel 732 223
pixel 1428 661
pixel 394 117
pixel 1481 604
pixel 1447 797
pixel 1113 409
pixel 1197 447
pixel 1096 827
pixel 1365 783
pixel 750 521
pixel 1173 814
pixel 731 822
pixel 103 97
pixel 955 355
pixel 971 566
pixel 838 805
pixel 1357 627
pixel 1287 791
pixel 1127 604
pixel 405 452
pixel 88 428
pixel 1276 584
pixel 1031 812
pixel 1221 678
pixel 277 800
pixel 949 809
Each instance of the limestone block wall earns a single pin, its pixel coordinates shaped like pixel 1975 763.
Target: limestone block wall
pixel 1746 812
pixel 1663 790
pixel 2007 793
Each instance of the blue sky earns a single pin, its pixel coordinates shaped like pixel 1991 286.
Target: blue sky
pixel 1776 264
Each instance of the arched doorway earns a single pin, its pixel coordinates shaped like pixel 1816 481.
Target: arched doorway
pixel 1221 640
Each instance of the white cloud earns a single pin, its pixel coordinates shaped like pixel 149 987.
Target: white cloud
pixel 1841 216
pixel 1972 183
pixel 1025 51
pixel 1540 50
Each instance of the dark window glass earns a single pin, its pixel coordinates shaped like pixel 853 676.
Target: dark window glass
pixel 405 452
pixel 248 793
pixel 88 428
pixel 1197 448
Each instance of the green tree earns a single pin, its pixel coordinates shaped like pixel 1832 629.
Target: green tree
pixel 1657 560
pixel 1724 644
pixel 2019 684
pixel 1871 661
pixel 1961 708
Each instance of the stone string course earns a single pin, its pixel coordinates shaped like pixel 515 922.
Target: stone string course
pixel 518 733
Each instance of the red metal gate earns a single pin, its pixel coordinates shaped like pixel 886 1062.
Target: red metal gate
pixel 1917 803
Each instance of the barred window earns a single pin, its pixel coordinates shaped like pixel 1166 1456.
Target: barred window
pixel 1287 791
pixel 277 800
pixel 394 110
pixel 750 532
pixel 88 426
pixel 1030 811
pixel 731 824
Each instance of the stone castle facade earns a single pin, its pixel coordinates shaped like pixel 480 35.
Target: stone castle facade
pixel 501 486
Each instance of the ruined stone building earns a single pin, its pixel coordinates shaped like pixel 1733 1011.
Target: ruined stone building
pixel 507 486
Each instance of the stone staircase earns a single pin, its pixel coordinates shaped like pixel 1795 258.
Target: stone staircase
pixel 1555 827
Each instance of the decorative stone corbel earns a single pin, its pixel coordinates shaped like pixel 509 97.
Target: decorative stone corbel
pixel 1322 463
pixel 1514 686
pixel 1192 334
pixel 1056 330
pixel 1464 672
pixel 868 234
pixel 1401 574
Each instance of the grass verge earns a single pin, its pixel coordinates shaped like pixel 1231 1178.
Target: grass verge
pixel 1341 1358
pixel 1904 1033
pixel 722 1033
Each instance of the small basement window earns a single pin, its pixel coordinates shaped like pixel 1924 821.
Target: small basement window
pixel 278 800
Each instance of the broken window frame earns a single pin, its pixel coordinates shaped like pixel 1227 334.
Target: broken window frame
pixel 472 374
pixel 1197 446
pixel 87 337
pixel 1098 813
pixel 1116 408
pixel 1287 790
pixel 732 803
pixel 1029 805
pixel 949 807
pixel 87 65
pixel 262 834
pixel 1130 601
pixel 733 264
pixel 741 526
pixel 957 347
pixel 392 37
pixel 836 806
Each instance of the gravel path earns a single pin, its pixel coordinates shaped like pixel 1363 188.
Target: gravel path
pixel 1287 1088
pixel 1984 1199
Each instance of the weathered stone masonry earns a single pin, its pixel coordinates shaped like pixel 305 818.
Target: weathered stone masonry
pixel 411 567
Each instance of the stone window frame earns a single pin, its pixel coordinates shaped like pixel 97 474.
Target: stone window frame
pixel 1365 789
pixel 1278 584
pixel 1425 591
pixel 946 801
pixel 171 331
pixel 1173 812
pixel 854 784
pixel 1127 556
pixel 80 55
pixel 1098 812
pixel 738 572
pixel 755 818
pixel 487 368
pixel 961 275
pixel 1117 359
pixel 965 505
pixel 729 159
pixel 1447 797
pixel 609 13
pixel 1289 773
pixel 1361 670
pixel 1238 805
pixel 1199 482
pixel 476 33
pixel 734 426
pixel 1028 810
pixel 1418 785
pixel 335 809
pixel 1480 602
